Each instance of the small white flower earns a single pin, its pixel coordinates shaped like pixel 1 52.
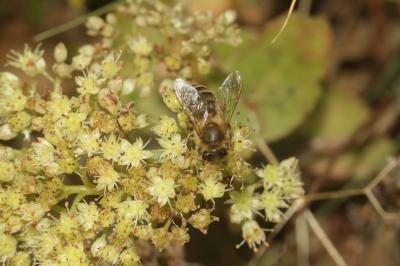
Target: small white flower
pixel 58 106
pixel 7 171
pixel 6 133
pixel 88 214
pixel 133 154
pixel 72 254
pixel 94 24
pixel 89 83
pixel 253 234
pixel 244 205
pixel 272 202
pixel 87 50
pixel 173 148
pixel 110 148
pixel 70 126
pixel 11 97
pixel 229 17
pixel 46 242
pixel 31 212
pixel 128 86
pixel 44 152
pixel 212 189
pixel 165 127
pixel 89 142
pixel 81 61
pixel 108 178
pixel 31 62
pixel 110 65
pixel 162 189
pixel 134 210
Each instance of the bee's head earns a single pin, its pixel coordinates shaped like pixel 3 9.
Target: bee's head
pixel 214 154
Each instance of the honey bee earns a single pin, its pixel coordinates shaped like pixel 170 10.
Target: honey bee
pixel 210 113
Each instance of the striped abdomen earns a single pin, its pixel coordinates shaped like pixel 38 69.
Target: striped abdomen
pixel 206 105
pixel 211 133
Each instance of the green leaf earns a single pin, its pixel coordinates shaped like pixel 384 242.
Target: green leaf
pixel 281 80
pixel 357 163
pixel 374 156
pixel 337 117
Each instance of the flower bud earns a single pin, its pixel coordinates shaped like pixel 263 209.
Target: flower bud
pixel 62 70
pixel 111 19
pixel 6 132
pixel 128 86
pixel 94 25
pixel 107 31
pixel 60 53
pixel 7 172
pixel 80 62
pixel 229 17
pixel 9 79
pixel 8 247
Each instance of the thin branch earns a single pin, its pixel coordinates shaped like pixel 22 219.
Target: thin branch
pixel 77 200
pixel 334 194
pixel 379 209
pixel 266 151
pixel 78 189
pixel 393 163
pixel 324 239
pixel 75 22
pixel 302 241
pixel 297 205
pixel 375 203
pixel 285 22
pixel 383 173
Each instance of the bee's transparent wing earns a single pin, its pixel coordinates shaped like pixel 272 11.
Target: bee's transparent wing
pixel 189 98
pixel 229 94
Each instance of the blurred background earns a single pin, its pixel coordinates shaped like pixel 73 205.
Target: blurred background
pixel 327 92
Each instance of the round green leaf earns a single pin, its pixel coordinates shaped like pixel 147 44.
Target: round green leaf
pixel 337 117
pixel 281 80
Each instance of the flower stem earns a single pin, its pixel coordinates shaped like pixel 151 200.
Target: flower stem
pixel 80 189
